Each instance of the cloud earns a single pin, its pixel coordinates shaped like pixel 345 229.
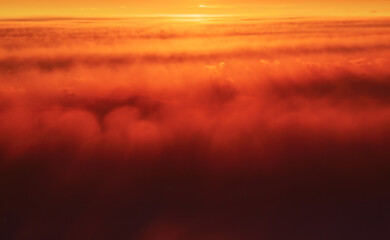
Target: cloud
pixel 107 135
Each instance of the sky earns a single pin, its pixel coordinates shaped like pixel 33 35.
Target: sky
pixel 123 8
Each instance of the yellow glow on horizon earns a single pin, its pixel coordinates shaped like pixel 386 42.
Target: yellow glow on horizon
pixel 128 8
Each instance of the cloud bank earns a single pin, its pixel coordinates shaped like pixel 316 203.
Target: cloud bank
pixel 171 130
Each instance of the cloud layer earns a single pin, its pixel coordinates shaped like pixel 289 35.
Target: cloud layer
pixel 156 129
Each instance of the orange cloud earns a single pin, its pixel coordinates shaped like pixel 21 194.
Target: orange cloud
pixel 160 129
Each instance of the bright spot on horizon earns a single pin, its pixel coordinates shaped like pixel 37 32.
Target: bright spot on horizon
pixel 202 6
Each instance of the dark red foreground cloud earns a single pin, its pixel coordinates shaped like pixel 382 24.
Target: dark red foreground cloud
pixel 154 130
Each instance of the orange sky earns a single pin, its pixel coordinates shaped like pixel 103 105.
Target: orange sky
pixel 122 8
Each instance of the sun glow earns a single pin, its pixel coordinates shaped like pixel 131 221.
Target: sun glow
pixel 125 8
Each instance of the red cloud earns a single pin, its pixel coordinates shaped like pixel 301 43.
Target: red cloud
pixel 247 130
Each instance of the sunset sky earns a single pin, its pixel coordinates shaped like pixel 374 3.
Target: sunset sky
pixel 123 8
pixel 194 119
